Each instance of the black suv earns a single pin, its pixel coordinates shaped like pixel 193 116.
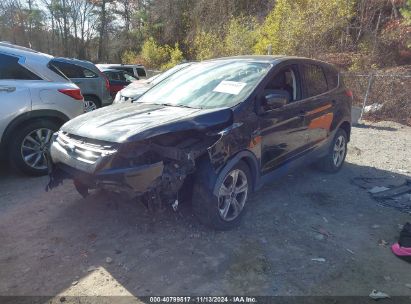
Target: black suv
pixel 217 130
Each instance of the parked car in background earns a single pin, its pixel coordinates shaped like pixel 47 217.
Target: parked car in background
pixel 137 70
pixel 137 88
pixel 118 80
pixel 35 100
pixel 94 85
pixel 218 130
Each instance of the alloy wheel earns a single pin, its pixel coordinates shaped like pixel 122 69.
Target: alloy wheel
pixel 89 106
pixel 35 147
pixel 232 195
pixel 339 150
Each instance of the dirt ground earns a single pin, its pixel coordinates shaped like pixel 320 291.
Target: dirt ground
pixel 58 243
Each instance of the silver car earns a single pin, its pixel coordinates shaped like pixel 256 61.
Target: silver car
pixel 35 100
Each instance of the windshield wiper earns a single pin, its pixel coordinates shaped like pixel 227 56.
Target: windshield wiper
pixel 175 105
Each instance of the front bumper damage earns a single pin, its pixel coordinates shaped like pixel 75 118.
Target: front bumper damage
pixel 158 177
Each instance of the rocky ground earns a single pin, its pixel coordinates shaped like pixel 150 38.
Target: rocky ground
pixel 307 234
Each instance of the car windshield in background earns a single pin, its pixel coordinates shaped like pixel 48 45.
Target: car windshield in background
pixel 158 78
pixel 213 84
pixel 129 77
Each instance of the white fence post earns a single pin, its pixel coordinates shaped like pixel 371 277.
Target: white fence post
pixel 367 93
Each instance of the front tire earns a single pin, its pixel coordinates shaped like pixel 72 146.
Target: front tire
pixel 335 158
pixel 29 146
pixel 224 211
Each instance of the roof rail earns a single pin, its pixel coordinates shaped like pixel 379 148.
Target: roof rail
pixel 17 47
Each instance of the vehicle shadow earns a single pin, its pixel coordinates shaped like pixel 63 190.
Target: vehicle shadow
pixel 105 245
pixel 370 126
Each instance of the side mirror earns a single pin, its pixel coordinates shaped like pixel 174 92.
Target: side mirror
pixel 275 101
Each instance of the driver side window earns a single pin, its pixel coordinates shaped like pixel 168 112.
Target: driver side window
pixel 285 82
pixel 282 89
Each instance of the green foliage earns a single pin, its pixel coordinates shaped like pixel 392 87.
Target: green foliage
pixel 154 54
pixel 406 12
pixel 310 26
pixel 176 57
pixel 129 57
pixel 240 36
pixel 207 45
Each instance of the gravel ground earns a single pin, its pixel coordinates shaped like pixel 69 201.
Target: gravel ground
pixel 60 244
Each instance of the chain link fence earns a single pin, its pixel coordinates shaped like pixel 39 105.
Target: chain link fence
pixel 381 96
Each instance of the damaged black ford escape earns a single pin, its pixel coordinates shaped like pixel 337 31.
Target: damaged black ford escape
pixel 218 129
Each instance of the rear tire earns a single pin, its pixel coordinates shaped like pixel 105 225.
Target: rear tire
pixel 225 211
pixel 91 103
pixel 29 145
pixel 335 158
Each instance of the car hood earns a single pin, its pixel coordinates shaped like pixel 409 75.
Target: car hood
pixel 137 121
pixel 136 89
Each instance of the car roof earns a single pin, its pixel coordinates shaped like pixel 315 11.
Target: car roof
pixel 83 63
pixel 269 58
pixel 21 51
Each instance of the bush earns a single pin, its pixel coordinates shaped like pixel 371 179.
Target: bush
pixel 304 27
pixel 154 54
pixel 129 57
pixel 207 45
pixel 240 36
pixel 176 57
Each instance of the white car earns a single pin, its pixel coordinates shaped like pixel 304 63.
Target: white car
pixel 35 100
pixel 137 88
pixel 137 70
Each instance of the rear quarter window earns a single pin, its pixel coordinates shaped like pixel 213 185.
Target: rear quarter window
pixel 332 78
pixel 73 70
pixel 68 69
pixel 141 72
pixel 315 81
pixel 11 69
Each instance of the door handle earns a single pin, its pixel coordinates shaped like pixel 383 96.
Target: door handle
pixel 302 114
pixel 7 89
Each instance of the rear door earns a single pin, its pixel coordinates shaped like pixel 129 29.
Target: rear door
pixel 15 97
pixel 318 103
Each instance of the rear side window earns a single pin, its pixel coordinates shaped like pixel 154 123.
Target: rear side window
pixel 113 76
pixel 89 74
pixel 56 70
pixel 315 81
pixel 73 70
pixel 141 72
pixel 11 69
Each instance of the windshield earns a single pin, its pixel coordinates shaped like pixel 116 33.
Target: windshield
pixel 213 84
pixel 129 77
pixel 158 78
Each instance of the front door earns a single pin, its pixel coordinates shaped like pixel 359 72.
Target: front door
pixel 282 130
pixel 15 97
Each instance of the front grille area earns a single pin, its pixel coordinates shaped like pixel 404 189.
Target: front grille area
pixel 84 149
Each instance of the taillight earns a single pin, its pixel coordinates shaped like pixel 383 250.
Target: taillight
pixel 349 93
pixel 107 82
pixel 73 93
